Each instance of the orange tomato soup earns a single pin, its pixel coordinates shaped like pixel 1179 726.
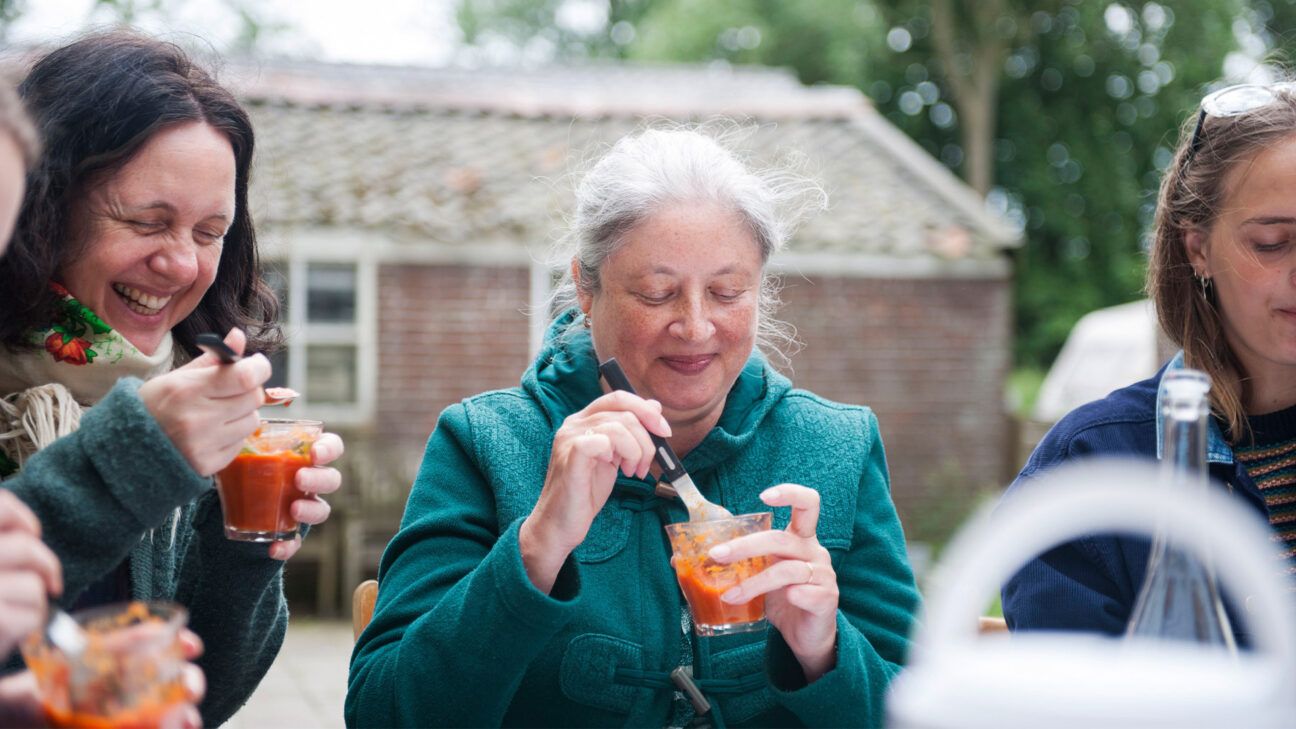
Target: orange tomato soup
pixel 258 488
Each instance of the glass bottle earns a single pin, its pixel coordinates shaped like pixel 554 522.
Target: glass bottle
pixel 1179 598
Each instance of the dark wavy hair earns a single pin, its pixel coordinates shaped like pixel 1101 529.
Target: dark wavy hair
pixel 96 102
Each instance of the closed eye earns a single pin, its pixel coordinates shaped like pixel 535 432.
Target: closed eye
pixel 654 297
pixel 1261 247
pixel 210 236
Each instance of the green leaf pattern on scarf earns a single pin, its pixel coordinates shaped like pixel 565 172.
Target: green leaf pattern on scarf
pixel 79 335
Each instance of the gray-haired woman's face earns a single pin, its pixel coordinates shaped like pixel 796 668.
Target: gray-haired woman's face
pixel 678 307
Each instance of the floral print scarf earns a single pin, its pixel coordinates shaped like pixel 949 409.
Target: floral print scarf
pixel 79 360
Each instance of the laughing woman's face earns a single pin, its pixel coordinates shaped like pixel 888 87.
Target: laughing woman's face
pixel 153 233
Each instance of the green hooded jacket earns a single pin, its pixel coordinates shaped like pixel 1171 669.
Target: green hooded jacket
pixel 460 636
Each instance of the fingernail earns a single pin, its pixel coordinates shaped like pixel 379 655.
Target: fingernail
pixel 720 551
pixel 193 684
pixel 665 426
pixel 733 594
pixel 770 493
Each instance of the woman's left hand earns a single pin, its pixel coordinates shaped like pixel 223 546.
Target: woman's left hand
pixel 314 481
pixel 799 585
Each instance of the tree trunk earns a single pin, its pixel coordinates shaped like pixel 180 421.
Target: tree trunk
pixel 975 90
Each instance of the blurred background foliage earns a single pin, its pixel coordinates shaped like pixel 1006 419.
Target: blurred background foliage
pixel 1062 112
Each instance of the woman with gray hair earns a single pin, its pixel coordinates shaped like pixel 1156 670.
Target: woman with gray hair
pixel 531 584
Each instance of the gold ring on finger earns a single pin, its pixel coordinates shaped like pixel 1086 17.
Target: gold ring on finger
pixel 810 574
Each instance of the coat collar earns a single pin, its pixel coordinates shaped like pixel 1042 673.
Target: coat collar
pixel 1217 449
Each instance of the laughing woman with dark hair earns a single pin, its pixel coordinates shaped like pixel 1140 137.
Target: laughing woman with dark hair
pixel 134 237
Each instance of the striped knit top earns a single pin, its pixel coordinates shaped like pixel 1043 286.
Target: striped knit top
pixel 1270 460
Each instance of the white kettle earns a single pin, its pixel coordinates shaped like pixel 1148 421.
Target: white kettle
pixel 956 678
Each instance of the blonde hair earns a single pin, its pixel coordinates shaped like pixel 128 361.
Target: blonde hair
pixel 1192 196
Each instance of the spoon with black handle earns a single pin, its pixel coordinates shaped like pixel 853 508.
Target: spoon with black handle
pixel 699 509
pixel 214 345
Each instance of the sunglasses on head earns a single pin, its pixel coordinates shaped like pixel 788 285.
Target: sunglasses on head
pixel 1235 101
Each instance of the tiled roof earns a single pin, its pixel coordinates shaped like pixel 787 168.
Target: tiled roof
pixel 469 156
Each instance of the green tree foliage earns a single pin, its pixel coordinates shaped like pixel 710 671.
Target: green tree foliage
pixel 1063 111
pixel 253 24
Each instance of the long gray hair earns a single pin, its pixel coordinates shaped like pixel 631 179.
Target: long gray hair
pixel 659 166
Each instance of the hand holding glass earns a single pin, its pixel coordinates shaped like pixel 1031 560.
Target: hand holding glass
pixel 703 580
pixel 130 674
pixel 258 487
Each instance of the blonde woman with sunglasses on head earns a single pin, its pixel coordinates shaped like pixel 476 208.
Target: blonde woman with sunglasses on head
pixel 1222 274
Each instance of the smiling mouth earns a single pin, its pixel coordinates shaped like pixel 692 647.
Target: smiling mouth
pixel 688 364
pixel 140 302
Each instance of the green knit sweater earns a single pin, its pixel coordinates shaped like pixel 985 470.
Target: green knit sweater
pixel 460 637
pixel 111 490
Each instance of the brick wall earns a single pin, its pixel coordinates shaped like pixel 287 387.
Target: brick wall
pixel 445 332
pixel 929 356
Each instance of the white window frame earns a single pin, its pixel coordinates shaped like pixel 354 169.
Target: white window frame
pixel 540 291
pixel 293 251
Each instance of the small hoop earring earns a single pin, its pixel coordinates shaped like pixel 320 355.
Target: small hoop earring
pixel 588 322
pixel 1205 284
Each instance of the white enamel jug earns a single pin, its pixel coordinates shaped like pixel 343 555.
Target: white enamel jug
pixel 956 678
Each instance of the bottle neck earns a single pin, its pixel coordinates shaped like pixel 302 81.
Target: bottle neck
pixel 1184 450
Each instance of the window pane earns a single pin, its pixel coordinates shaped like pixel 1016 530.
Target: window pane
pixel 330 292
pixel 276 275
pixel 279 361
pixel 330 374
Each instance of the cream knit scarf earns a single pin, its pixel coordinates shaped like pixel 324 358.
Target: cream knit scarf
pixel 43 391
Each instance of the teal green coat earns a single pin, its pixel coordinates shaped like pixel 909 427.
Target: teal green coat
pixel 117 487
pixel 460 636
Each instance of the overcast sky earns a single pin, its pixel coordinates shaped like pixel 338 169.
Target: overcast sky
pixel 361 31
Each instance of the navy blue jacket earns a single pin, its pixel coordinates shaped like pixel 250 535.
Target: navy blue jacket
pixel 1091 584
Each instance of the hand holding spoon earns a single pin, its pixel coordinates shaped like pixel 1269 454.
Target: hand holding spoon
pixel 699 508
pixel 214 345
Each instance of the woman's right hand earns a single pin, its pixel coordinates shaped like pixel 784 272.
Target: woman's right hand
pixel 29 572
pixel 610 434
pixel 207 408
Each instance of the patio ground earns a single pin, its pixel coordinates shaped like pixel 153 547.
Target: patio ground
pixel 307 683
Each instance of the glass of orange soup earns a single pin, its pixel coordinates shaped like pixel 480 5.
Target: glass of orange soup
pixel 259 485
pixel 703 580
pixel 129 676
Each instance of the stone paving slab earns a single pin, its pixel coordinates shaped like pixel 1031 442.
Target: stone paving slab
pixel 306 686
